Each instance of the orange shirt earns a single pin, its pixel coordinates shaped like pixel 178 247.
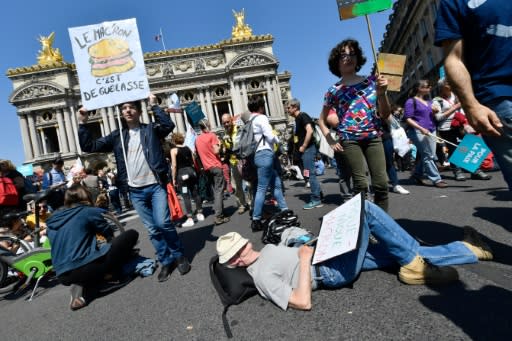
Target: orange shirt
pixel 204 148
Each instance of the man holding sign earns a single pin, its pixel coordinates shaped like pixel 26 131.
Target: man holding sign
pixel 141 165
pixel 285 275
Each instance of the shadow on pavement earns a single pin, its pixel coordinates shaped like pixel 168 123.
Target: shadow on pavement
pixel 482 314
pixel 495 215
pixel 194 240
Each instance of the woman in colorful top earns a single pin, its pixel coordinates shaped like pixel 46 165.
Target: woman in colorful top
pixel 419 116
pixel 355 99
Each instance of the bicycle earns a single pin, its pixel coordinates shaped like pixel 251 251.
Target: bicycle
pixel 34 261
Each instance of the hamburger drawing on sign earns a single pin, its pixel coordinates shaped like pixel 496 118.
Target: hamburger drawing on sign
pixel 109 63
pixel 109 56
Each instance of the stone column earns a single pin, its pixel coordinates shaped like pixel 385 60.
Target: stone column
pixel 111 118
pixel 74 125
pixel 61 132
pixel 266 105
pixel 27 148
pixel 270 97
pixel 216 109
pixel 104 119
pixel 43 140
pixel 180 122
pixel 209 104
pixel 230 108
pixel 145 116
pixel 69 131
pixel 235 97
pixel 34 137
pixel 244 94
pixel 278 97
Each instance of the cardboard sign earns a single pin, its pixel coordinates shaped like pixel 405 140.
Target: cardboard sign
pixel 470 153
pixel 392 66
pixel 109 63
pixel 340 230
pixel 194 112
pixel 353 8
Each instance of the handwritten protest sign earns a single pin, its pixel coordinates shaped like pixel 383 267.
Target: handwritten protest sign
pixel 353 8
pixel 470 153
pixel 340 230
pixel 109 63
pixel 392 66
pixel 26 170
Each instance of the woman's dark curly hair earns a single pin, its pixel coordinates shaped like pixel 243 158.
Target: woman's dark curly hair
pixel 334 56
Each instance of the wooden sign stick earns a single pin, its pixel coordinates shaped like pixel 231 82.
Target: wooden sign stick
pixel 372 43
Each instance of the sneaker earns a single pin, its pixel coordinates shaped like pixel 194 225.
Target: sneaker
pixel 473 241
pixel 441 184
pixel 188 223
pixel 420 272
pixel 479 175
pixel 459 176
pixel 242 209
pixel 200 217
pixel 77 297
pixel 400 190
pixel 221 220
pixel 112 285
pixel 256 226
pixel 312 204
pixel 308 185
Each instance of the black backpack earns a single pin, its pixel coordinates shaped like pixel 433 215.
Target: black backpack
pixel 275 225
pixel 234 285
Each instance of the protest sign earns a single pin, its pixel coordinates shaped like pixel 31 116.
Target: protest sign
pixel 26 170
pixel 340 230
pixel 194 111
pixel 470 153
pixel 442 72
pixel 109 63
pixel 392 66
pixel 353 8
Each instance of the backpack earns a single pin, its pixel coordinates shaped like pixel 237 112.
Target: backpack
pixel 246 143
pixel 8 192
pixel 277 224
pixel 234 285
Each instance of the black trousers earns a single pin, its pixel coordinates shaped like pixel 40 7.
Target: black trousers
pixel 111 263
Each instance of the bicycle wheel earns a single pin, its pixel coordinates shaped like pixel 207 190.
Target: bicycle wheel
pixel 115 225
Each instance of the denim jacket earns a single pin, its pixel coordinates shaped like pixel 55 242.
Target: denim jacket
pixel 151 136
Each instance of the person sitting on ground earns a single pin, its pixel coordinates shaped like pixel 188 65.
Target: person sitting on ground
pixel 184 178
pixel 285 275
pixel 78 259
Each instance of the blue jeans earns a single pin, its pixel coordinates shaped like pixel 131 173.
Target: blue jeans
pixel 395 246
pixel 502 146
pixel 390 167
pixel 308 160
pixel 267 176
pixel 427 149
pixel 115 200
pixel 151 205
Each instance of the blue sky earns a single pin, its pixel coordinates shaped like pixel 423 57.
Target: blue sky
pixel 303 31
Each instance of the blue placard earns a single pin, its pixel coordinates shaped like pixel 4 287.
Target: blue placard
pixel 194 111
pixel 470 153
pixel 26 170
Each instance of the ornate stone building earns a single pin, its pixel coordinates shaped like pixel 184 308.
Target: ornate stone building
pixel 220 77
pixel 410 32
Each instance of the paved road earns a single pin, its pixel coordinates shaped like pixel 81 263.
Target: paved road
pixel 378 307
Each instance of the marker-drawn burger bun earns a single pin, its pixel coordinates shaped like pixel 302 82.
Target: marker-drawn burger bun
pixel 109 56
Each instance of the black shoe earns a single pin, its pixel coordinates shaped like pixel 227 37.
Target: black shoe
pixel 321 196
pixel 165 273
pixel 479 175
pixel 183 265
pixel 112 285
pixel 256 226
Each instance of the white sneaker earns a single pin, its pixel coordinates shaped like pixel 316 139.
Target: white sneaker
pixel 308 185
pixel 200 217
pixel 400 190
pixel 188 223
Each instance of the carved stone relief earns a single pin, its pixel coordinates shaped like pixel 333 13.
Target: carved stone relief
pixel 37 91
pixel 252 60
pixel 152 69
pixel 215 61
pixel 183 66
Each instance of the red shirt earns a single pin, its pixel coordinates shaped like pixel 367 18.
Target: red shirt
pixel 204 148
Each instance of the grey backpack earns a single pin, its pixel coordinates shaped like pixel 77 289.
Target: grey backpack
pixel 247 144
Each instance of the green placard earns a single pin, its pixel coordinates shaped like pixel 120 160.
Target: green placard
pixel 349 8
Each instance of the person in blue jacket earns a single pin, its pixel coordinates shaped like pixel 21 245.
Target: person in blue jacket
pixel 145 173
pixel 79 257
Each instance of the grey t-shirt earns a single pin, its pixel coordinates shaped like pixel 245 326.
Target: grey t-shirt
pixel 276 273
pixel 140 173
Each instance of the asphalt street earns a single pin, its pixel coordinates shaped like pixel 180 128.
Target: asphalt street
pixel 377 307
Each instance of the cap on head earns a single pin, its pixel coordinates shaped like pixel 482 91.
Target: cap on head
pixel 228 245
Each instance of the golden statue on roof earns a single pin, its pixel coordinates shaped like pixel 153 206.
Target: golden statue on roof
pixel 47 54
pixel 241 30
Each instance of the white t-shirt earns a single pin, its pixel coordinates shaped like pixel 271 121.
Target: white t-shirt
pixel 261 125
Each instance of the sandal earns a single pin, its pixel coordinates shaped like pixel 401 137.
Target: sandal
pixel 77 299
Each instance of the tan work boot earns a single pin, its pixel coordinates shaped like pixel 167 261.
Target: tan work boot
pixel 473 241
pixel 420 272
